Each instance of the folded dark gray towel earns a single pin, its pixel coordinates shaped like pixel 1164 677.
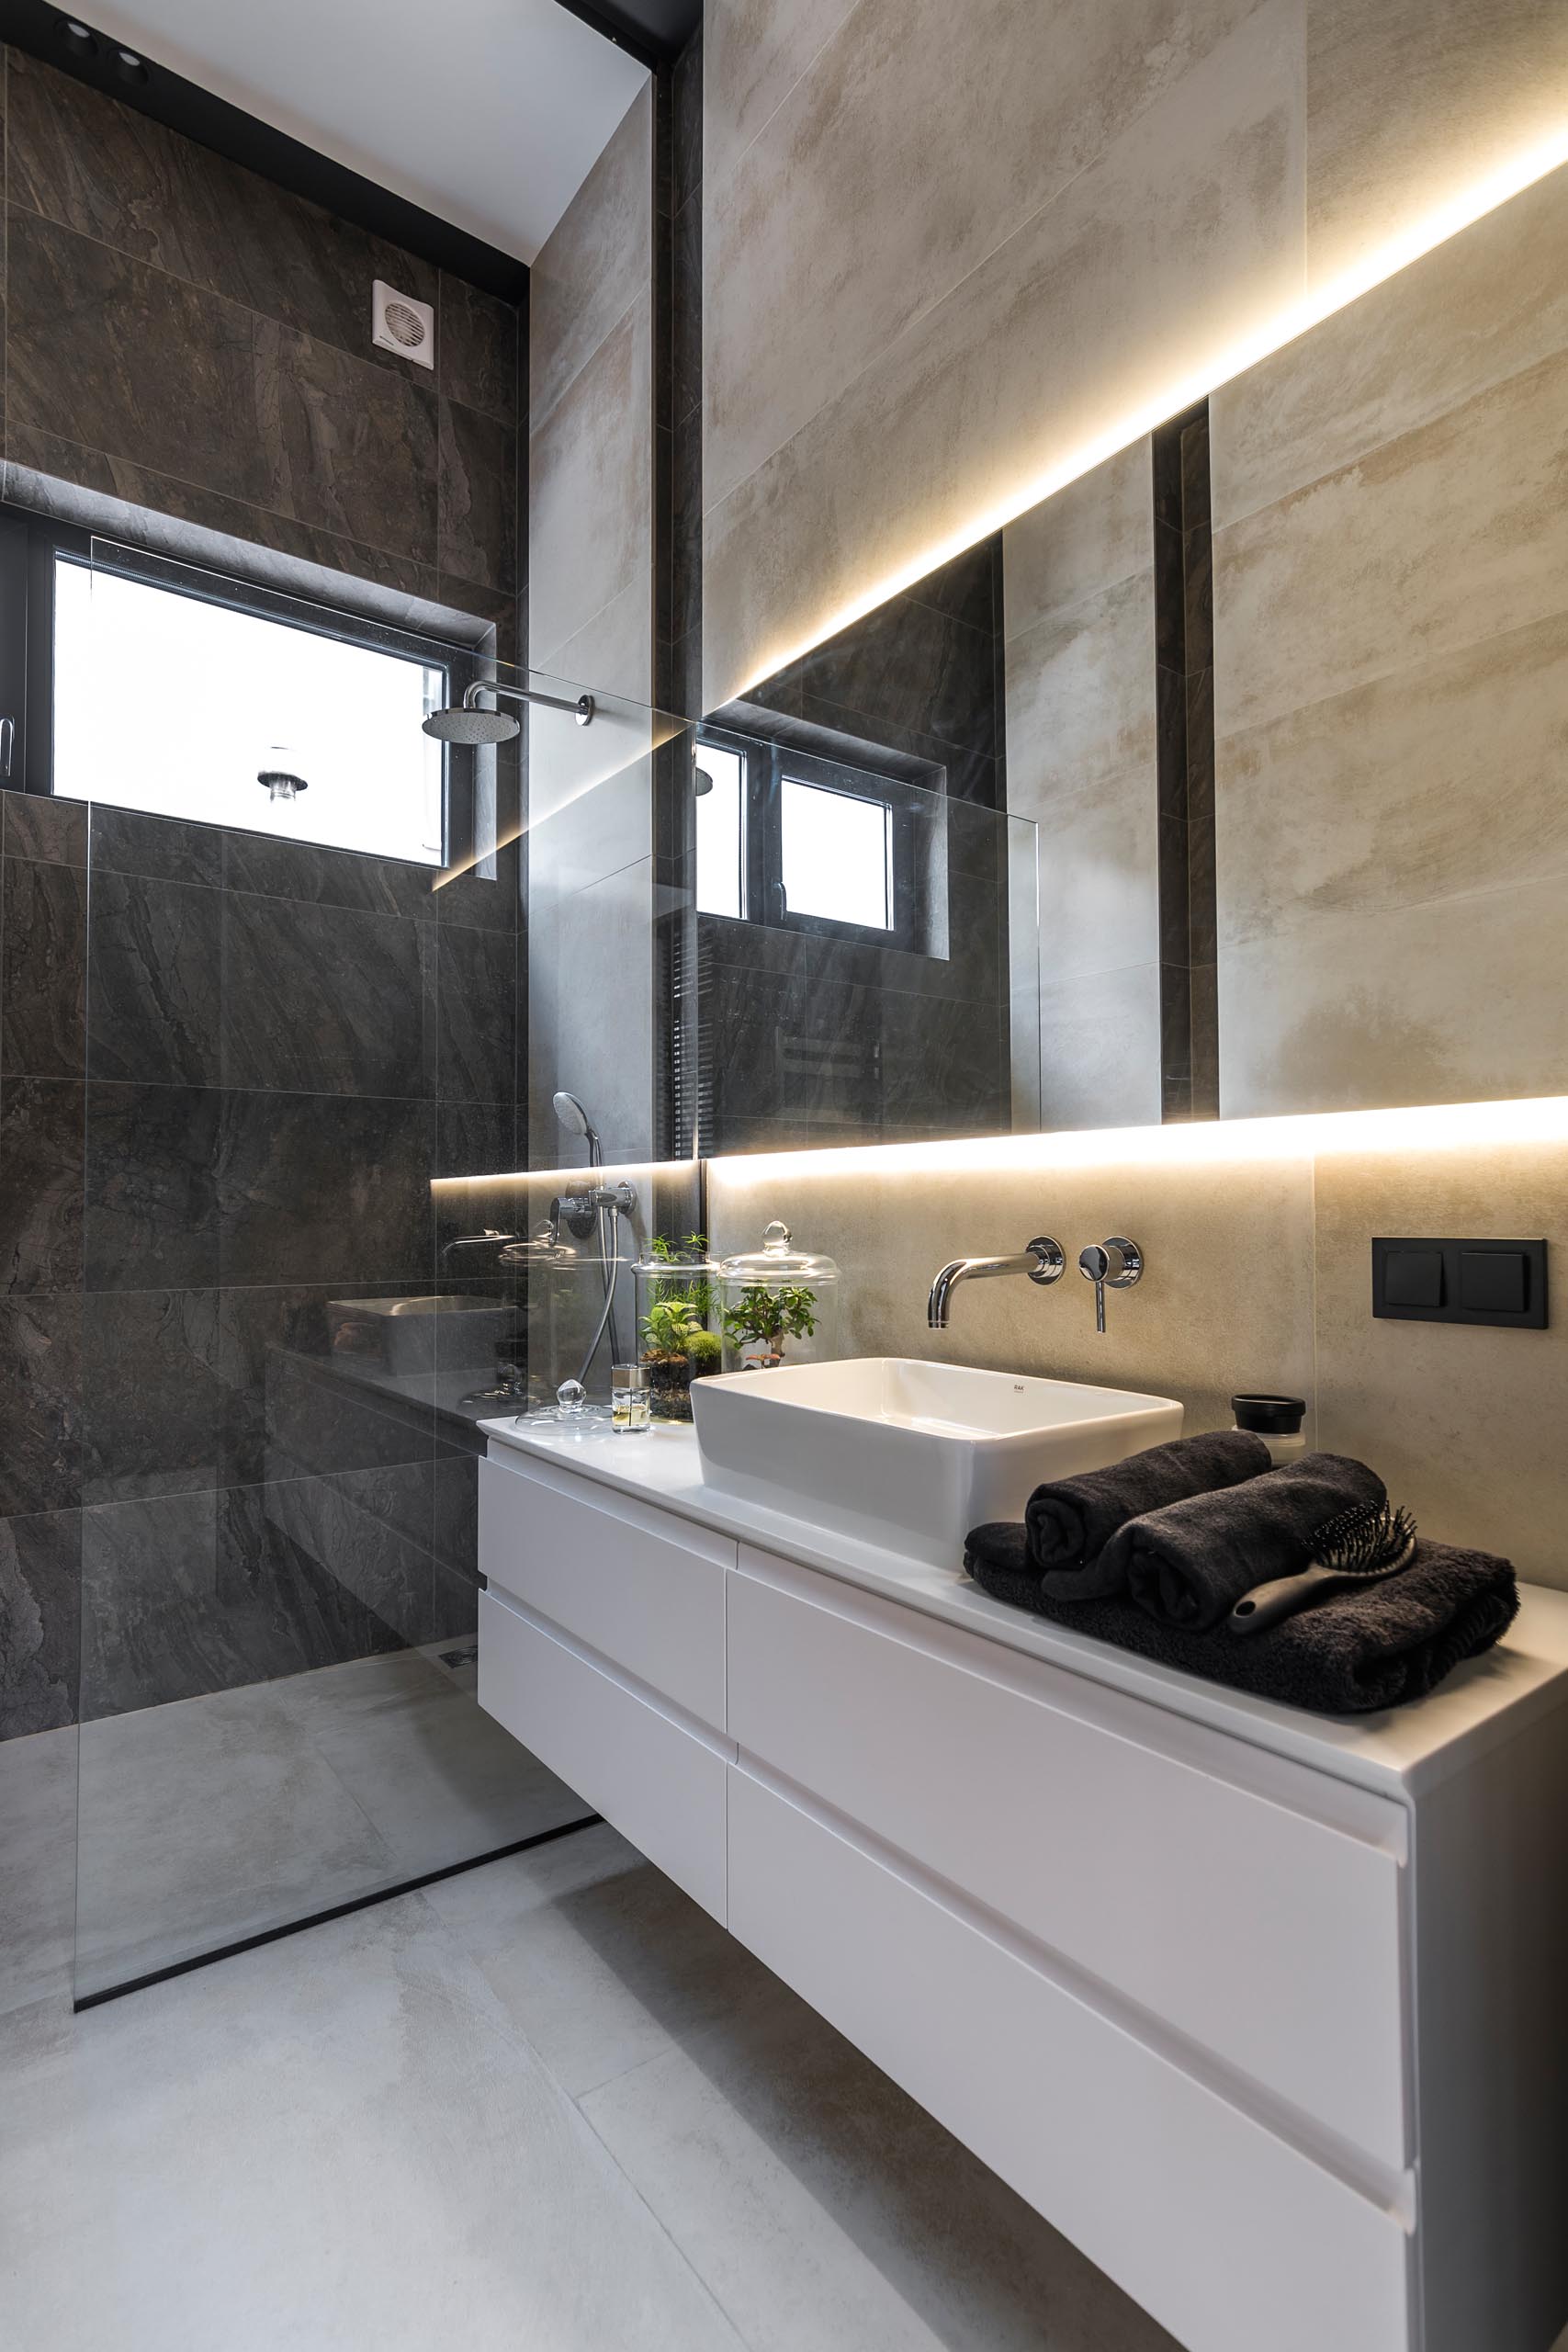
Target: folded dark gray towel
pixel 1071 1520
pixel 1190 1563
pixel 1378 1646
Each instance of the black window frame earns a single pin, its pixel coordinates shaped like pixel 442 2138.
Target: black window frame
pixel 768 766
pixel 31 547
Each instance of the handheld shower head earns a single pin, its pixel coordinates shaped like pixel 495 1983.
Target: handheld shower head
pixel 576 1122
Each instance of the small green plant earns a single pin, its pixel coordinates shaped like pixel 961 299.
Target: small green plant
pixel 671 1325
pixel 767 1316
pixel 677 1346
pixel 681 1255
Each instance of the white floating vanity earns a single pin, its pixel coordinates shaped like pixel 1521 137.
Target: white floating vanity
pixel 1267 2012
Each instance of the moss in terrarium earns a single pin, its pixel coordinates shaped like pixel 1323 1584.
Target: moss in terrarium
pixel 676 1349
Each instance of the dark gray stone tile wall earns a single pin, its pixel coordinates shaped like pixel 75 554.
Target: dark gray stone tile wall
pixel 186 336
pixel 1184 652
pixel 230 1066
pixel 276 1049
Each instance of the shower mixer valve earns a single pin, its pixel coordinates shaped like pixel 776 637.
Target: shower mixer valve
pixel 1115 1264
pixel 601 1197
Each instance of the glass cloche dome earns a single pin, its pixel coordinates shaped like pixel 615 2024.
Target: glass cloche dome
pixel 780 1304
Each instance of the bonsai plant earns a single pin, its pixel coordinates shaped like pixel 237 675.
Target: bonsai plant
pixel 766 1314
pixel 677 1346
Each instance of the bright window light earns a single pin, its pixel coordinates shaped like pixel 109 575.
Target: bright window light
pixel 836 856
pixel 721 832
pixel 166 703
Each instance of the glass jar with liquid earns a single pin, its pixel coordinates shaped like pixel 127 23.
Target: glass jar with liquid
pixel 631 1400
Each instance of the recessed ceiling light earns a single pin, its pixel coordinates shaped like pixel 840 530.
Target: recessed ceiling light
pixel 77 37
pixel 129 66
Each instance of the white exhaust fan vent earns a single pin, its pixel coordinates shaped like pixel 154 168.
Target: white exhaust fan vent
pixel 399 324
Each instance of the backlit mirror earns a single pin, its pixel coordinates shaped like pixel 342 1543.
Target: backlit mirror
pixel 1227 781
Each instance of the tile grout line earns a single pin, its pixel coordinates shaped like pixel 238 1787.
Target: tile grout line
pixel 517 2033
pixel 528 428
pixel 678 2251
pixel 785 97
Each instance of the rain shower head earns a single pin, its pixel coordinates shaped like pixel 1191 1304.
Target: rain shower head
pixel 576 1122
pixel 465 722
pixel 462 724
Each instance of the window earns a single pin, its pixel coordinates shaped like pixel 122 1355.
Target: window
pixel 173 701
pixel 801 843
pixel 835 855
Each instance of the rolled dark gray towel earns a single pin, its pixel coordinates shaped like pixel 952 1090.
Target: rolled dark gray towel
pixel 1071 1520
pixel 1190 1563
pixel 1378 1646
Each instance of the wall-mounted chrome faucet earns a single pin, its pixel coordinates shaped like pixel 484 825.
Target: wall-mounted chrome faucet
pixel 1041 1259
pixel 491 1237
pixel 1115 1264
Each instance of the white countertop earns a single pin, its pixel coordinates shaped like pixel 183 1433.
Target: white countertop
pixel 1396 1753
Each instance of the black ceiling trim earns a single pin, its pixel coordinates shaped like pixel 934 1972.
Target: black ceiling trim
pixel 653 31
pixel 229 130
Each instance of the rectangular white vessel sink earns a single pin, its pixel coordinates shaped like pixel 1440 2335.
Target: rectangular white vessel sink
pixel 911 1454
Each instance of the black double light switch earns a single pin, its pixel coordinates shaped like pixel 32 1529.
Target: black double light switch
pixel 1501 1282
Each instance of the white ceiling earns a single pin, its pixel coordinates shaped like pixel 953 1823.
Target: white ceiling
pixel 489 113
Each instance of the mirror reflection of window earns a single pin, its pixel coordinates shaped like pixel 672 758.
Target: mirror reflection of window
pixel 244 699
pixel 836 856
pixel 721 831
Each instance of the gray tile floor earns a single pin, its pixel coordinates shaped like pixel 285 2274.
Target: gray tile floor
pixel 546 2106
pixel 211 1819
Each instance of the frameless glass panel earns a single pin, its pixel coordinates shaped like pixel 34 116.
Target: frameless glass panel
pixel 310 1284
pixel 171 700
pixel 836 856
pixel 721 831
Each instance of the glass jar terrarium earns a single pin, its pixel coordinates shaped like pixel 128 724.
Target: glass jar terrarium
pixel 780 1305
pixel 677 1322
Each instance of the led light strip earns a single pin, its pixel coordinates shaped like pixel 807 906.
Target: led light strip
pixel 1307 1134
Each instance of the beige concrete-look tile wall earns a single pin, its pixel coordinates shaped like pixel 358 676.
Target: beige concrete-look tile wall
pixel 1466 1425
pixel 1409 96
pixel 591 622
pixel 1226 1304
pixel 1078 603
pixel 943 248
pixel 1259 1277
pixel 1391 687
pixel 963 321
pixel 590 419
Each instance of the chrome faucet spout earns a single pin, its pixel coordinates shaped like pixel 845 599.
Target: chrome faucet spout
pixel 1042 1260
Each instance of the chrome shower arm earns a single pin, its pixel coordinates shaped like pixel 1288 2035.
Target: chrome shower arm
pixel 582 709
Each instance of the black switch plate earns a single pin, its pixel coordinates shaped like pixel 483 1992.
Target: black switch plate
pixel 1497 1282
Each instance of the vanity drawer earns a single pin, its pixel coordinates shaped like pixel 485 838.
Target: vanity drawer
pixel 657 1781
pixel 1232 2238
pixel 1247 1905
pixel 643 1590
